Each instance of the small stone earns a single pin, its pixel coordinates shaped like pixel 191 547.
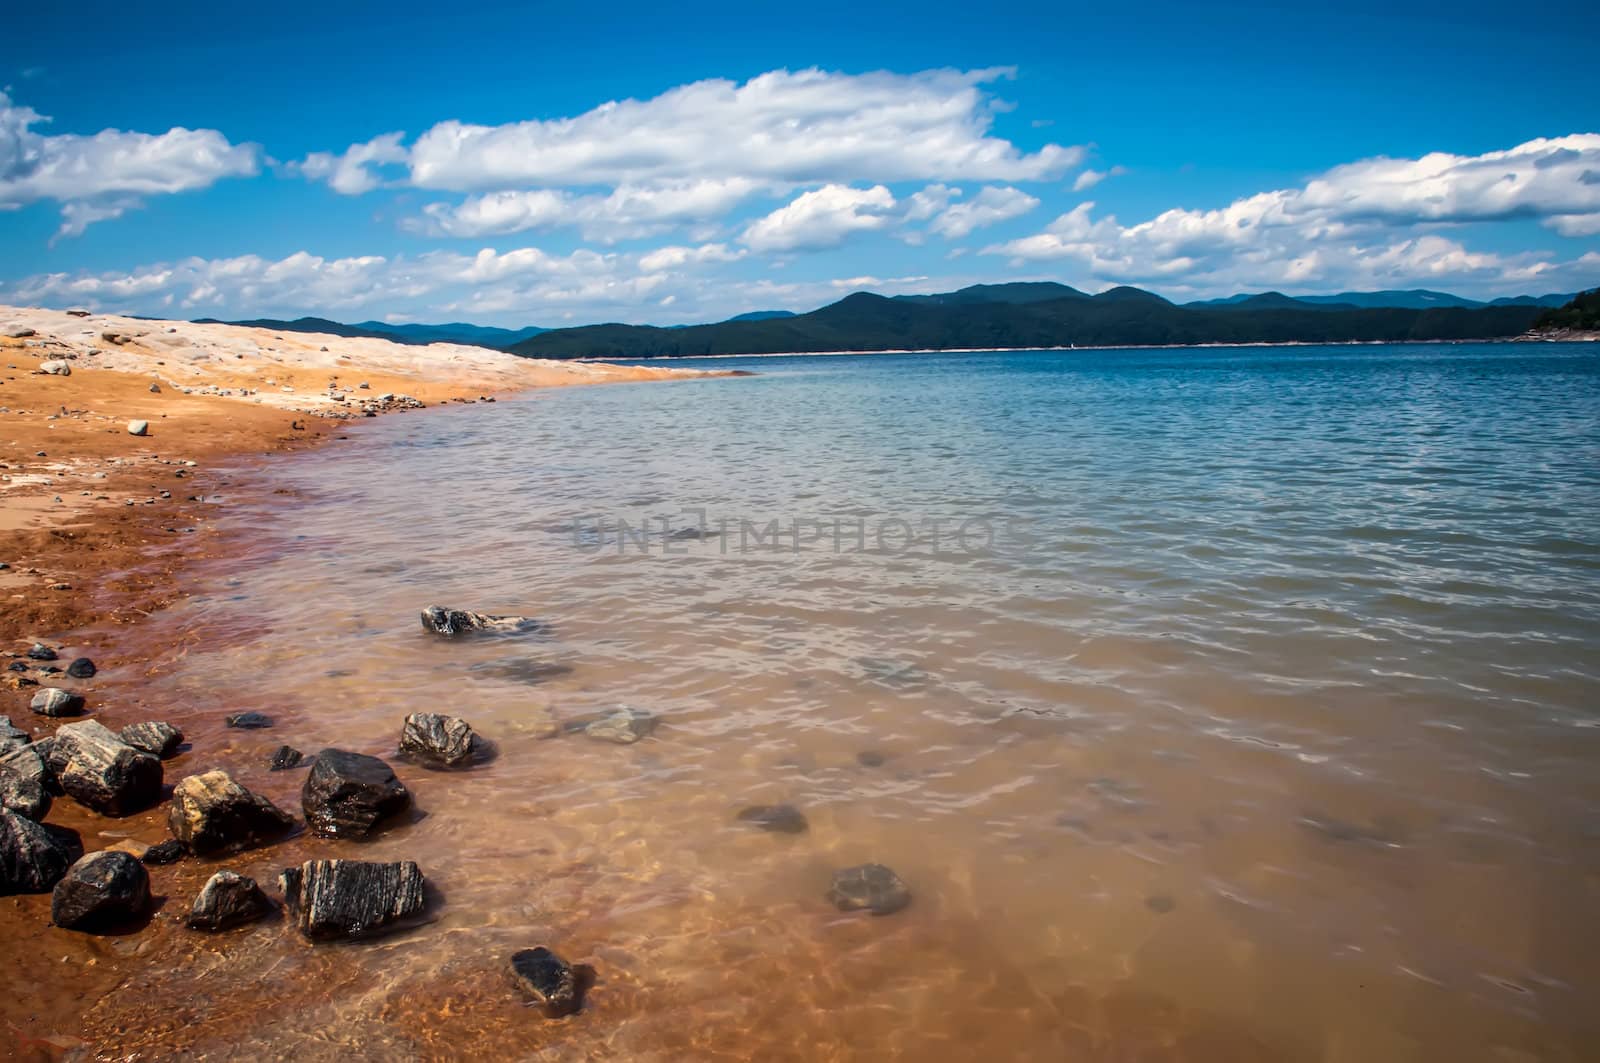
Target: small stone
pixel 869 886
pixel 99 770
pixel 138 428
pixel 56 367
pixel 781 819
pixel 453 623
pixel 285 758
pixel 154 737
pixel 32 857
pixel 249 721
pixel 212 813
pixel 16 666
pixel 228 899
pixel 167 852
pixel 155 389
pixel 445 741
pixel 100 892
pixel 870 758
pixel 25 782
pixel 333 900
pixel 347 794
pixel 547 979
pixel 82 668
pixel 53 701
pixel 1160 903
pixel 41 652
pixel 625 726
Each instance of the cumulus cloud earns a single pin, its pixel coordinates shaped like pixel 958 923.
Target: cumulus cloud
pixel 628 212
pixel 349 172
pixel 103 176
pixel 821 218
pixel 991 205
pixel 1089 178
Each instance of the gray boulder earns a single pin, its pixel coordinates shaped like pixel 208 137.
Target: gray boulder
pixel 98 769
pixel 547 980
pixel 102 891
pixel 56 367
pixel 81 668
pixel 228 899
pixel 25 783
pixel 347 794
pixel 32 857
pixel 444 741
pixel 53 701
pixel 332 900
pixel 154 737
pixel 453 623
pixel 872 887
pixel 12 737
pixel 211 813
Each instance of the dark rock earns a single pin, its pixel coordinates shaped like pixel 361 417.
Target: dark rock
pixel 41 652
pixel 212 813
pixel 547 979
pixel 249 721
pixel 100 770
pixel 25 783
pixel 32 858
pixel 341 899
pixel 781 819
pixel 53 701
pixel 624 726
pixel 285 758
pixel 346 794
pixel 82 668
pixel 227 900
pixel 531 671
pixel 12 737
pixel 447 741
pixel 1160 903
pixel 167 852
pixel 452 623
pixel 156 738
pixel 100 892
pixel 870 886
pixel 870 758
pixel 17 666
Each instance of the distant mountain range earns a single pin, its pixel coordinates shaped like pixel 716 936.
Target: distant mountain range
pixel 1020 314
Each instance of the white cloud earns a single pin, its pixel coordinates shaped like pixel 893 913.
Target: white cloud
pixel 627 212
pixel 349 172
pixel 921 206
pixel 993 204
pixel 1089 178
pixel 673 257
pixel 821 218
pixel 104 175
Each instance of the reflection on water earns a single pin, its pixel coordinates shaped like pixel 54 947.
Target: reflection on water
pixel 1264 726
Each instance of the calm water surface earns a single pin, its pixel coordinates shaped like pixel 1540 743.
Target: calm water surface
pixel 1255 716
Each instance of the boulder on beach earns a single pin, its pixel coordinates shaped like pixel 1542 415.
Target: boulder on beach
pixel 98 769
pixel 780 819
pixel 452 623
pixel 439 740
pixel 872 887
pixel 332 900
pixel 102 891
pixel 249 721
pixel 347 794
pixel 32 857
pixel 53 701
pixel 623 726
pixel 56 367
pixel 211 813
pixel 154 737
pixel 228 899
pixel 25 782
pixel 547 980
pixel 286 757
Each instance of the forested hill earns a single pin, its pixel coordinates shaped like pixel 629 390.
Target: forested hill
pixel 1119 317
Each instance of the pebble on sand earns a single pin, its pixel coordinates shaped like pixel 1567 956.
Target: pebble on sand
pixel 138 428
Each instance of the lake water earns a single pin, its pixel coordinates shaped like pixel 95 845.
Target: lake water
pixel 1217 705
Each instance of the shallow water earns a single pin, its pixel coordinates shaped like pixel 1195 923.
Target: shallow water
pixel 1241 704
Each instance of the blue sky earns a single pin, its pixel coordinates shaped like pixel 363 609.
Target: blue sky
pixel 208 162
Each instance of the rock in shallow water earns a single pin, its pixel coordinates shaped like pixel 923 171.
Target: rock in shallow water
pixel 32 857
pixel 100 892
pixel 623 726
pixel 547 979
pixel 285 758
pixel 333 900
pixel 154 737
pixel 446 741
pixel 167 852
pixel 25 782
pixel 781 819
pixel 228 899
pixel 249 721
pixel 211 813
pixel 347 794
pixel 872 887
pixel 53 701
pixel 453 623
pixel 98 769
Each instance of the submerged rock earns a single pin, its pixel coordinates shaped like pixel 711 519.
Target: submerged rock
pixel 285 758
pixel 32 857
pixel 101 892
pixel 98 769
pixel 447 741
pixel 547 979
pixel 872 887
pixel 781 819
pixel 624 726
pixel 332 900
pixel 211 813
pixel 452 623
pixel 53 701
pixel 228 899
pixel 25 782
pixel 154 737
pixel 249 721
pixel 167 852
pixel 347 794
